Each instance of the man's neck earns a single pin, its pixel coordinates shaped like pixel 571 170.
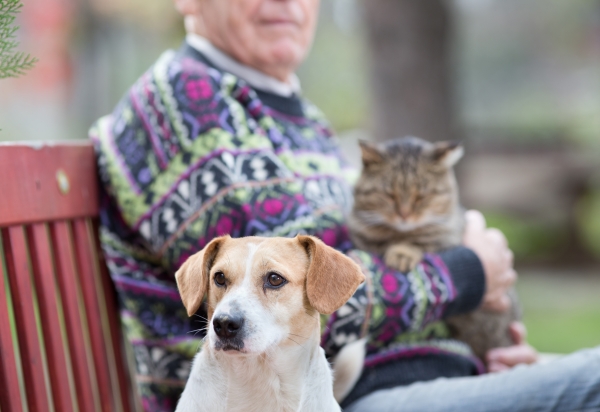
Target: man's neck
pixel 252 76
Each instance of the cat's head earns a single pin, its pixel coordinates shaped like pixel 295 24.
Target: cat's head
pixel 407 183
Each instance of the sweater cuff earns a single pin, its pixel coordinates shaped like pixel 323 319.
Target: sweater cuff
pixel 468 277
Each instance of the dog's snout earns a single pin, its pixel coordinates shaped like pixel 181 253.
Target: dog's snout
pixel 227 326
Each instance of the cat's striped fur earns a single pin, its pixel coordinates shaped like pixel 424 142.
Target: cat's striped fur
pixel 406 203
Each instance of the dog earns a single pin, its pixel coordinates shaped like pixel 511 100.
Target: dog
pixel 264 296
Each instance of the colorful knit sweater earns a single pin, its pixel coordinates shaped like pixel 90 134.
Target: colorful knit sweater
pixel 191 153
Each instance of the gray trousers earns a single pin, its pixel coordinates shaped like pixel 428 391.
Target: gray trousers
pixel 570 383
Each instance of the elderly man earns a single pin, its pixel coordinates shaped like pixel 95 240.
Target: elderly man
pixel 215 139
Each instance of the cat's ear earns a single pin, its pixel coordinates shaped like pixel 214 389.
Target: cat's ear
pixel 370 153
pixel 447 153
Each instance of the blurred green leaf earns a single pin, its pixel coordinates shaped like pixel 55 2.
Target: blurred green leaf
pixel 588 215
pixel 528 238
pixel 12 63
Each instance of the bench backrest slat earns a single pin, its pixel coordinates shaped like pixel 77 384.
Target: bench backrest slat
pixel 60 336
pixel 33 364
pixel 78 337
pixel 51 315
pixel 10 366
pixel 86 254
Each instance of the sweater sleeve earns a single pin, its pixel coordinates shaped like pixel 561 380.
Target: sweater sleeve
pixel 468 278
pixel 392 306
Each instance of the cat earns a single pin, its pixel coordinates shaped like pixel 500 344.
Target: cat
pixel 406 204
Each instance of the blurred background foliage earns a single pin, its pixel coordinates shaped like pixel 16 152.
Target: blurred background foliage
pixel 517 81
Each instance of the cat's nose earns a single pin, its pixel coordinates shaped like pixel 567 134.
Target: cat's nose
pixel 404 212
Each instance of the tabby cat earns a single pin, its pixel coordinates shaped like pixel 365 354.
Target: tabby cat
pixel 406 204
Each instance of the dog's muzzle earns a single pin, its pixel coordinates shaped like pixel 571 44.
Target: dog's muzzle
pixel 229 329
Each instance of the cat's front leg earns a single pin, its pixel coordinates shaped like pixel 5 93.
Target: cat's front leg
pixel 403 256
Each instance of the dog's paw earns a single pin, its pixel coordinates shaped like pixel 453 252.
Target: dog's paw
pixel 403 257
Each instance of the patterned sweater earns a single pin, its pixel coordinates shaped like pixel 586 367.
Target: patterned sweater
pixel 192 152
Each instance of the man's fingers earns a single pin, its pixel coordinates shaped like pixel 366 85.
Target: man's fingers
pixel 498 303
pixel 475 221
pixel 518 333
pixel 510 257
pixel 497 236
pixel 495 367
pixel 512 355
pixel 510 277
pixel 503 303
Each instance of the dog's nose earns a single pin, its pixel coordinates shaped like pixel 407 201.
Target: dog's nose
pixel 227 326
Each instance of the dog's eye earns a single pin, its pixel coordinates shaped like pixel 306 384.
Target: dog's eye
pixel 275 280
pixel 220 279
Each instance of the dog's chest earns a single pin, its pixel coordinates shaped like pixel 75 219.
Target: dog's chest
pixel 263 391
pixel 249 385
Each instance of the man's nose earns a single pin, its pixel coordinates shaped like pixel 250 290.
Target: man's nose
pixel 227 326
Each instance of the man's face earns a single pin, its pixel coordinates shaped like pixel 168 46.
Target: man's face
pixel 273 36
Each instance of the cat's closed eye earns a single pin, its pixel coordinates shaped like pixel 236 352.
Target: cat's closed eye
pixel 441 191
pixel 420 197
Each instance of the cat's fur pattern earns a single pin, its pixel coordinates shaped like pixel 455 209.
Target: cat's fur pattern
pixel 413 178
pixel 406 204
pixel 483 330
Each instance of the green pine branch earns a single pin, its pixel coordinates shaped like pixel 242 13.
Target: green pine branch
pixel 12 63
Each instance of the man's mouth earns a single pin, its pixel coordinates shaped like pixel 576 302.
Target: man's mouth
pixel 279 22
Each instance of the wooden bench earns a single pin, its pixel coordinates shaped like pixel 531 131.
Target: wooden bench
pixel 60 336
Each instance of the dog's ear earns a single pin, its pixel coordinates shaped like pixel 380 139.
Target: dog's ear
pixel 192 276
pixel 332 278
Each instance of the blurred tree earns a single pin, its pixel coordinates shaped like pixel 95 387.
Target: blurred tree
pixel 409 47
pixel 12 64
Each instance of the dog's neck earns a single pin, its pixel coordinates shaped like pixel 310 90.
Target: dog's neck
pixel 288 378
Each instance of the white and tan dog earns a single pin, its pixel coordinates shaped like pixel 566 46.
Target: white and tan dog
pixel 262 352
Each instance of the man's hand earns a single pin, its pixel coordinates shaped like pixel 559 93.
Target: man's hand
pixel 491 247
pixel 502 359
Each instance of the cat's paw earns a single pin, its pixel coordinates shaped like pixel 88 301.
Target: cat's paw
pixel 403 257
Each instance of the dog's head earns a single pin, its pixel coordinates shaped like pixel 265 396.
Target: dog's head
pixel 264 292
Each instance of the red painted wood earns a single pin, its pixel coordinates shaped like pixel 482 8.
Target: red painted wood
pixel 95 316
pixel 10 400
pixel 29 180
pixel 29 344
pixel 43 272
pixel 85 382
pixel 110 297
